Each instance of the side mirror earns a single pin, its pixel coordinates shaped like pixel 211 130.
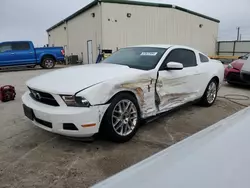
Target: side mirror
pixel 174 66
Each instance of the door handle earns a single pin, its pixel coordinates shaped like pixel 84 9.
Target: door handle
pixel 31 52
pixel 12 53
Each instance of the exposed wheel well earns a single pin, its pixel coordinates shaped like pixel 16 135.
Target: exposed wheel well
pixel 123 92
pixel 48 56
pixel 110 100
pixel 216 79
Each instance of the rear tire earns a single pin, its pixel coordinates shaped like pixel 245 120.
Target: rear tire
pixel 122 119
pixel 48 63
pixel 210 94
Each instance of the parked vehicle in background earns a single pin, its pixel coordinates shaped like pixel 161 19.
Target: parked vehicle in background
pixel 233 71
pixel 215 157
pixel 245 57
pixel 23 53
pixel 245 71
pixel 113 96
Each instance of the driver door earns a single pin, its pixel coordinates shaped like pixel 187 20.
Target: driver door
pixel 177 87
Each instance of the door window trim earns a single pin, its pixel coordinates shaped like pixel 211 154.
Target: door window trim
pixel 207 59
pixel 6 43
pixel 162 65
pixel 26 49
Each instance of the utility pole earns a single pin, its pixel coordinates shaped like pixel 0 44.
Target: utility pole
pixel 238 33
pixel 240 36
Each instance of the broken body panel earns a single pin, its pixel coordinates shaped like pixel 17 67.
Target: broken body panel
pixel 156 90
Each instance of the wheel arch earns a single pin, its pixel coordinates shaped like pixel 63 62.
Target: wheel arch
pixel 122 92
pixel 216 78
pixel 129 92
pixel 47 56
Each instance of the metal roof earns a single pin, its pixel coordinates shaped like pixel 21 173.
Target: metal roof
pixel 95 2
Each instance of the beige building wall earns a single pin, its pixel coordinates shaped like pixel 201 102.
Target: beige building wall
pixel 156 25
pixel 83 28
pixel 58 36
pixel 79 30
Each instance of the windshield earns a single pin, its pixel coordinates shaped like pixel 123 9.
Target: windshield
pixel 144 58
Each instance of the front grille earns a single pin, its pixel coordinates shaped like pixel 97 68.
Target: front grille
pixel 43 97
pixel 42 122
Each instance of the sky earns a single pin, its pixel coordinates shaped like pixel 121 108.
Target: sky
pixel 29 19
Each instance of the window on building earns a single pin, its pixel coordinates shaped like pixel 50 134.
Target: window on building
pixel 184 56
pixel 203 58
pixel 20 46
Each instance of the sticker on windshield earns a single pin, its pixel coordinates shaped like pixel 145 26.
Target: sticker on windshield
pixel 149 53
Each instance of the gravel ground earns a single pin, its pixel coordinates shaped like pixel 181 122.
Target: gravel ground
pixel 31 157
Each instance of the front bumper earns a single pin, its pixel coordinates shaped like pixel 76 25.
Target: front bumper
pixel 233 76
pixel 245 76
pixel 54 119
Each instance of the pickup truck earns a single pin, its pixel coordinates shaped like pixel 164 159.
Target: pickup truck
pixel 23 53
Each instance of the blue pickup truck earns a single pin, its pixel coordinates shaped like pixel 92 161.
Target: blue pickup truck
pixel 23 53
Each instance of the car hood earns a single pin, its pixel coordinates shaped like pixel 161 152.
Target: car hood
pixel 73 79
pixel 237 64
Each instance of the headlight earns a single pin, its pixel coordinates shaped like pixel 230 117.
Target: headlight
pixel 75 101
pixel 230 66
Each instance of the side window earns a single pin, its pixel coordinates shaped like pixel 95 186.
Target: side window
pixel 184 56
pixel 203 58
pixel 5 47
pixel 20 46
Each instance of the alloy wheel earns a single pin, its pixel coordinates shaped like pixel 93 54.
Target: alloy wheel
pixel 124 117
pixel 211 92
pixel 49 63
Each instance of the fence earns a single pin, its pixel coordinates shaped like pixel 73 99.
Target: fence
pixel 233 48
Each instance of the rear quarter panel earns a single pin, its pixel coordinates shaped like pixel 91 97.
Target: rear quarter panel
pixel 211 69
pixel 54 51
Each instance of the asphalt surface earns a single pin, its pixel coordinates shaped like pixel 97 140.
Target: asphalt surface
pixel 31 157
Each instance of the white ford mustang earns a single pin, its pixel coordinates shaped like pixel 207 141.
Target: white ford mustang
pixel 112 97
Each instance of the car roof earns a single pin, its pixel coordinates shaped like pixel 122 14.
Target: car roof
pixel 154 45
pixel 166 46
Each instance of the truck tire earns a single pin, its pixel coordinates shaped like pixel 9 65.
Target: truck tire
pixel 122 118
pixel 48 63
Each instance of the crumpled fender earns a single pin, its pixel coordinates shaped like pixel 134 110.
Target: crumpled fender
pixel 143 87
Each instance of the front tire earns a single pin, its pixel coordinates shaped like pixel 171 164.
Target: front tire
pixel 122 118
pixel 48 63
pixel 210 94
